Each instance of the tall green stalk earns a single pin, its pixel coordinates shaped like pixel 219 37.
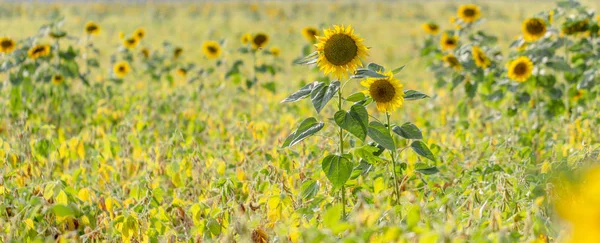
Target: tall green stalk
pixel 393 155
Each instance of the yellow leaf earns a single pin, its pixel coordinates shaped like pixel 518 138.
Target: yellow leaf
pixel 84 195
pixel 62 198
pixel 29 224
pixel 81 150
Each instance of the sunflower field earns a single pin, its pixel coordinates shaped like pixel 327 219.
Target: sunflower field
pixel 308 121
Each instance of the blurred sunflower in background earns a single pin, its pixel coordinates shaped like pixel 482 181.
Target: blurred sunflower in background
pixel 481 59
pixel 340 51
pixel 211 49
pixel 92 28
pixel 431 28
pixel 145 53
pixel 448 42
pixel 38 51
pixel 121 35
pixel 131 42
pixel 575 27
pixel 181 72
pixel 276 51
pixel 533 29
pixel 177 52
pixel 57 79
pixel 246 38
pixel 260 40
pixel 121 69
pixel 520 69
pixel 469 13
pixel 140 33
pixel 310 33
pixel 451 61
pixel 386 92
pixel 7 45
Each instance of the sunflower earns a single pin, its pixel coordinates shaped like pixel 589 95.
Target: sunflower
pixel 520 69
pixel 431 28
pixel 310 33
pixel 145 52
pixel 340 51
pixel 386 92
pixel 181 72
pixel 469 13
pixel 533 29
pixel 58 79
pixel 448 42
pixel 131 42
pixel 211 49
pixel 7 45
pixel 572 28
pixel 246 38
pixel 275 51
pixel 481 59
pixel 92 28
pixel 177 52
pixel 140 33
pixel 38 51
pixel 121 69
pixel 260 40
pixel 452 61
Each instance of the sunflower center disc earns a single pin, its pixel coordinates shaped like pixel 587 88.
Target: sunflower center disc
pixel 6 44
pixel 121 69
pixel 259 40
pixel 521 69
pixel 340 49
pixel 535 27
pixel 212 49
pixel 469 12
pixel 382 91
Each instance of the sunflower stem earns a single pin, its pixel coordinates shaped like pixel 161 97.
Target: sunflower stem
pixel 393 155
pixel 341 133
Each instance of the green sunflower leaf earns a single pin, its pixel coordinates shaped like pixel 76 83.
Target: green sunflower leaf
pixel 307 128
pixel 408 131
pixel 380 134
pixel 365 72
pixel 421 149
pixel 354 121
pixel 308 60
pixel 356 97
pixel 428 171
pixel 309 189
pixel 414 95
pixel 302 93
pixel 337 169
pixel 375 67
pixel 398 70
pixel 321 94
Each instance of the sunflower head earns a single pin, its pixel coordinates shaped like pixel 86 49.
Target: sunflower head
pixel 140 33
pixel 38 51
pixel 145 52
pixel 386 92
pixel 481 59
pixel 533 29
pixel 520 69
pixel 246 38
pixel 275 51
pixel 121 69
pixel 340 51
pixel 7 45
pixel 451 61
pixel 448 42
pixel 58 79
pixel 131 42
pixel 177 52
pixel 431 28
pixel 260 40
pixel 576 27
pixel 211 49
pixel 181 72
pixel 92 28
pixel 310 33
pixel 469 13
